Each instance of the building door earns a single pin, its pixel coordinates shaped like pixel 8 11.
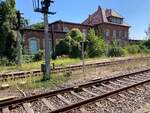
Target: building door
pixel 33 46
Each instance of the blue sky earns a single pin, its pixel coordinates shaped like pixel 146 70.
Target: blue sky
pixel 135 12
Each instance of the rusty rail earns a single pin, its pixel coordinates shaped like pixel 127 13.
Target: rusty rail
pixel 11 103
pixel 24 74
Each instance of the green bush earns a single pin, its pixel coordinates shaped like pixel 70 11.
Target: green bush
pixel 75 51
pixel 133 49
pixel 4 61
pixel 97 46
pixel 70 45
pixel 143 48
pixel 76 35
pixel 63 48
pixel 147 43
pixel 38 56
pixel 27 58
pixel 115 52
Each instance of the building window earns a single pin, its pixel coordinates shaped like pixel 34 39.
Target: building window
pixel 84 32
pixel 107 33
pixel 59 27
pixel 120 32
pixel 125 34
pixel 65 29
pixel 114 33
pixel 117 20
pixel 33 45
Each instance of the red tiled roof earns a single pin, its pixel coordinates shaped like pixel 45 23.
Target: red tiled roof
pixel 101 16
pixel 95 18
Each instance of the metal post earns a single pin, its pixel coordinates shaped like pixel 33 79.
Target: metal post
pixel 83 63
pixel 47 48
pixel 19 49
pixel 53 48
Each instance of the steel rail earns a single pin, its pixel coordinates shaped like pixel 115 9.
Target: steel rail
pixel 18 75
pixel 79 104
pixel 53 93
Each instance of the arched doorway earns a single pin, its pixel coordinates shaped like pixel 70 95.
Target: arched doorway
pixel 33 45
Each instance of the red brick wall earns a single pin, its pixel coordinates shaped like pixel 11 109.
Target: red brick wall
pixel 39 35
pixel 31 34
pixel 101 29
pixel 61 25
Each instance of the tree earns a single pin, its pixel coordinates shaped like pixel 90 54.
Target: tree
pixel 76 35
pixel 148 32
pixel 97 46
pixel 39 25
pixel 7 35
pixel 63 48
pixel 147 42
pixel 70 45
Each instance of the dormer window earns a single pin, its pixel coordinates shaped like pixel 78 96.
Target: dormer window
pixel 115 20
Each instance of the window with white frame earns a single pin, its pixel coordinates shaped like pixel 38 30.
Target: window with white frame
pixel 65 29
pixel 116 20
pixel 33 45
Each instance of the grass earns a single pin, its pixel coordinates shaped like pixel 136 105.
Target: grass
pixel 35 82
pixel 56 80
pixel 58 62
pixel 37 65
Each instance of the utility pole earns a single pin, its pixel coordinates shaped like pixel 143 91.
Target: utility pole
pixel 43 7
pixel 47 49
pixel 19 47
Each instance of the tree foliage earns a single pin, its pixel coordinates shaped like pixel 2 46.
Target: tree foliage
pixel 39 25
pixel 148 32
pixel 97 46
pixel 70 45
pixel 133 49
pixel 147 43
pixel 7 35
pixel 114 50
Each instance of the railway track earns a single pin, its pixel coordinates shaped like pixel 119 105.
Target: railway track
pixel 76 97
pixel 24 74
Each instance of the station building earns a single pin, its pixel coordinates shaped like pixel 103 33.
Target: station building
pixel 106 22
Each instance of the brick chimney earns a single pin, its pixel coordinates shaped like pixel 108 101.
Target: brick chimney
pixel 99 7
